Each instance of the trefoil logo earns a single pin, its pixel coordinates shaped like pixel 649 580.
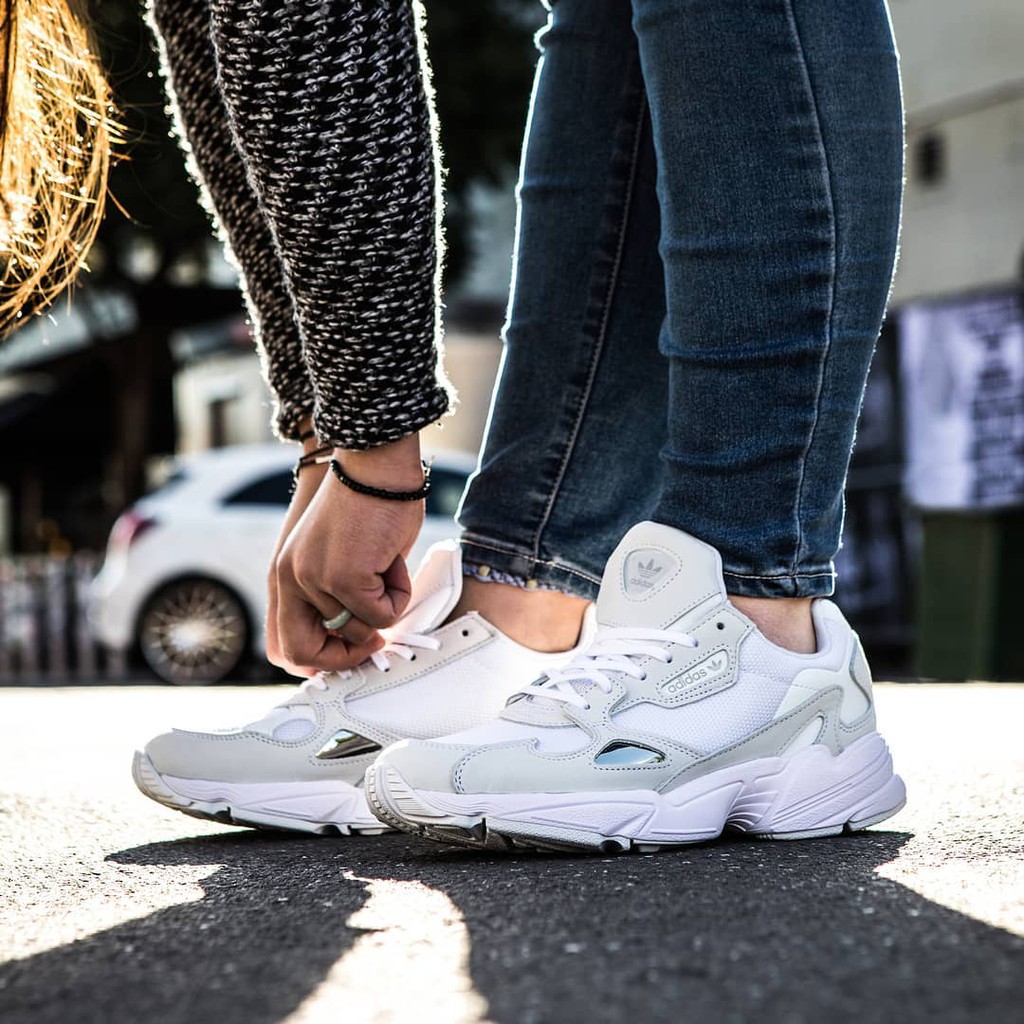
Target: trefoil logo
pixel 647 570
pixel 644 571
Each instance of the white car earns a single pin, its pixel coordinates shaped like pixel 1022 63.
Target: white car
pixel 184 579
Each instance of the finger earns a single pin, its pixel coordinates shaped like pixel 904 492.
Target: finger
pixel 272 648
pixel 379 602
pixel 331 594
pixel 305 642
pixel 374 605
pixel 355 632
pixel 398 586
pixel 299 671
pixel 336 655
pixel 274 654
pixel 300 631
pixel 332 654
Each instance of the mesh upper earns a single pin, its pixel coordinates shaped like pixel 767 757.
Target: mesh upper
pixel 765 673
pixel 294 729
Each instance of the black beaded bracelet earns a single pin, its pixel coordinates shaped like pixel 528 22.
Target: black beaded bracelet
pixel 380 492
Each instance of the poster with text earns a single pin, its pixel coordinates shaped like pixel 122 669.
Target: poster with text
pixel 962 364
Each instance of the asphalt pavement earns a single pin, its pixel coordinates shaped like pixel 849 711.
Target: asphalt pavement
pixel 113 909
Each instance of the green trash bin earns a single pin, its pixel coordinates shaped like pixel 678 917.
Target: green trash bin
pixel 970 622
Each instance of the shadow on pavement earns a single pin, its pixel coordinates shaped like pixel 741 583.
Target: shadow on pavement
pixel 731 931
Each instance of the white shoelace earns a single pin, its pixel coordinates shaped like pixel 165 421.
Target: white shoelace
pixel 613 651
pixel 402 645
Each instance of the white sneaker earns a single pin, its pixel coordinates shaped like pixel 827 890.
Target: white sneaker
pixel 301 767
pixel 679 721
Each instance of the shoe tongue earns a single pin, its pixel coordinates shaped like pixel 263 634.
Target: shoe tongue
pixel 435 589
pixel 657 577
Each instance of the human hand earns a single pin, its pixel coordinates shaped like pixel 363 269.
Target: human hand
pixel 348 550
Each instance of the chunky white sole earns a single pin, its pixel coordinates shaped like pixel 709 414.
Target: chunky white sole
pixel 320 808
pixel 809 793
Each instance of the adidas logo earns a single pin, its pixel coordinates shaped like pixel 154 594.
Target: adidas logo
pixel 642 577
pixel 646 570
pixel 706 670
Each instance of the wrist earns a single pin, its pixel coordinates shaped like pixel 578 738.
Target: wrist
pixel 394 466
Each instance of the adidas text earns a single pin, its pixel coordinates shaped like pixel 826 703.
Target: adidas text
pixel 707 669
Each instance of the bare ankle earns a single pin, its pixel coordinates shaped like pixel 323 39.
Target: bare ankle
pixel 785 621
pixel 544 620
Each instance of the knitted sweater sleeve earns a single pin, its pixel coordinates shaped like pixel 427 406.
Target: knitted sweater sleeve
pixel 330 107
pixel 200 118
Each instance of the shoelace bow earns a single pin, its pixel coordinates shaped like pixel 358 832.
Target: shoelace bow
pixel 402 645
pixel 614 651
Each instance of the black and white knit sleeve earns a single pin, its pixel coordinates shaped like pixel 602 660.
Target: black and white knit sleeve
pixel 215 162
pixel 330 106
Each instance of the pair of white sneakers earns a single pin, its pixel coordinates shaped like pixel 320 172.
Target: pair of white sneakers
pixel 673 719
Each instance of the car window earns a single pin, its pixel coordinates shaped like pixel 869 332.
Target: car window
pixel 273 489
pixel 446 486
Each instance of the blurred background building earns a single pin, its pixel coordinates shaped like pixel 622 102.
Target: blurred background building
pixel 956 314
pixel 963 83
pixel 153 358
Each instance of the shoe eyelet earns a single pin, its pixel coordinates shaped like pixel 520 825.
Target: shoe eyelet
pixel 413 658
pixel 720 625
pixel 643 678
pixel 465 632
pixel 669 660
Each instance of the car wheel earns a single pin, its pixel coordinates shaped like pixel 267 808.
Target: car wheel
pixel 193 631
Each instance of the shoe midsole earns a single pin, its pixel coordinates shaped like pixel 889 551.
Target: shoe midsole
pixel 808 790
pixel 327 801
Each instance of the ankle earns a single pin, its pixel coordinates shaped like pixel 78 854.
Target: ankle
pixel 543 620
pixel 785 621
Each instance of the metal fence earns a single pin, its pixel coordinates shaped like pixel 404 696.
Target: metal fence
pixel 44 629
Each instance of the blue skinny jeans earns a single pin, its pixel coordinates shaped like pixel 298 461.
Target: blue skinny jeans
pixel 709 206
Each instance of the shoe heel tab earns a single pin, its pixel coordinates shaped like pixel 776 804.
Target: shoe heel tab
pixel 824 610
